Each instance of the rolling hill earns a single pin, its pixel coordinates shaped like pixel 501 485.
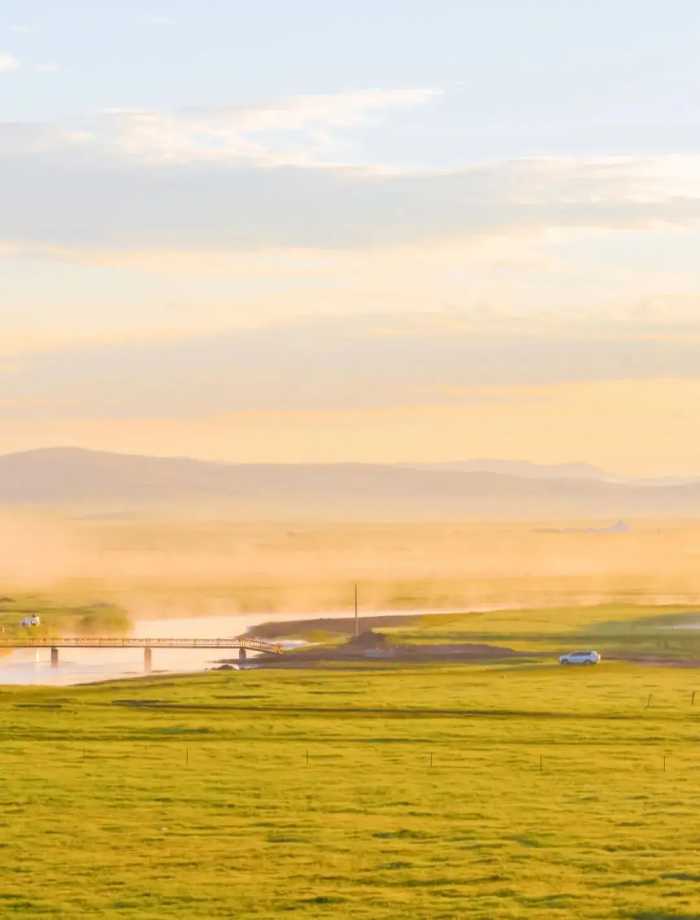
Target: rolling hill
pixel 109 482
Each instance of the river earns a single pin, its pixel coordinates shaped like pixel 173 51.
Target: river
pixel 78 666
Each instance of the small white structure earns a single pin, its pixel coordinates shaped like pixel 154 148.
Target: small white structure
pixel 33 620
pixel 590 657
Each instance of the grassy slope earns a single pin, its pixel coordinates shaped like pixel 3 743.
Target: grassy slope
pixel 203 805
pixel 612 628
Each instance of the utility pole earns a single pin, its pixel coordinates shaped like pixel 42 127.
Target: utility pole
pixel 357 621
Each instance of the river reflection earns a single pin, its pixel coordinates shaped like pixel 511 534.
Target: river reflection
pixel 33 666
pixel 78 666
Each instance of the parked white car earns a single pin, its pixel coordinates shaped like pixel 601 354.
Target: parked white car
pixel 589 657
pixel 33 620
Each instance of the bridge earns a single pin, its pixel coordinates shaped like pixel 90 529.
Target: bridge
pixel 243 644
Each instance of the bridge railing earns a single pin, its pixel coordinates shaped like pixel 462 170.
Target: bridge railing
pixel 252 644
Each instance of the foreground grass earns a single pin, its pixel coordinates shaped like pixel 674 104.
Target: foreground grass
pixel 552 793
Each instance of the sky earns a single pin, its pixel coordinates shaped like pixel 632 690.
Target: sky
pixel 395 231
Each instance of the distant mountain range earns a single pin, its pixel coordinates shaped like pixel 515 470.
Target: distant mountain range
pixel 93 481
pixel 527 470
pixel 521 468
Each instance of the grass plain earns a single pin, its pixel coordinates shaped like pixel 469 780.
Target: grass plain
pixel 645 631
pixel 62 615
pixel 372 791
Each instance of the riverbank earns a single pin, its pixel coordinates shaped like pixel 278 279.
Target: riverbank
pixel 333 639
pixel 645 634
pixel 78 666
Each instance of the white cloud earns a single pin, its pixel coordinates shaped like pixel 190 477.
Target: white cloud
pixel 47 68
pixel 278 176
pixel 8 62
pixel 300 130
pixel 304 130
pixel 241 203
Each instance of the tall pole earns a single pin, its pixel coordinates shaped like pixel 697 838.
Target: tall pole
pixel 357 621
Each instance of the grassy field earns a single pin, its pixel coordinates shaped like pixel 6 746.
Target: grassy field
pixel 644 632
pixel 378 792
pixel 615 629
pixel 61 614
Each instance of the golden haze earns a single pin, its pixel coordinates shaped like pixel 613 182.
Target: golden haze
pixel 186 565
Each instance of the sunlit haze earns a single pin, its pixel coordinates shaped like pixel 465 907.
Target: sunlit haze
pixel 376 232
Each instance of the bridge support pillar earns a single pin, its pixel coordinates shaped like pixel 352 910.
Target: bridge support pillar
pixel 54 657
pixel 242 655
pixel 147 652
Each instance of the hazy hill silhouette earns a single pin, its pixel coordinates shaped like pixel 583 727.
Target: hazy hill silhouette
pixel 108 481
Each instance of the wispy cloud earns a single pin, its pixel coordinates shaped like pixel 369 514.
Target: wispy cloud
pixel 256 202
pixel 303 130
pixel 8 62
pixel 323 364
pixel 299 130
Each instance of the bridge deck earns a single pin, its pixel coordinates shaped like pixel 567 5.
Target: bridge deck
pixel 253 645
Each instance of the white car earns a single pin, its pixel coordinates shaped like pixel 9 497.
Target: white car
pixel 590 657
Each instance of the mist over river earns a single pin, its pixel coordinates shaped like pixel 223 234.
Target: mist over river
pixel 78 666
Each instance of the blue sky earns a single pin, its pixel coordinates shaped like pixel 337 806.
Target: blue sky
pixel 449 204
pixel 518 78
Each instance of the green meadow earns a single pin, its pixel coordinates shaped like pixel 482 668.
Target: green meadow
pixel 651 631
pixel 373 791
pixel 61 615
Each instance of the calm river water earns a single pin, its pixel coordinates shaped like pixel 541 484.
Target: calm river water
pixel 77 666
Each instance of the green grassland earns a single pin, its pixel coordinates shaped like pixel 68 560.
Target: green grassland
pixel 552 792
pixel 617 629
pixel 61 614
